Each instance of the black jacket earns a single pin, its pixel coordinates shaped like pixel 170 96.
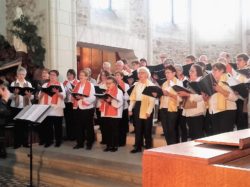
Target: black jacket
pixel 4 113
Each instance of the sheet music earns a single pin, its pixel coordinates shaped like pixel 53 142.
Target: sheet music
pixel 34 113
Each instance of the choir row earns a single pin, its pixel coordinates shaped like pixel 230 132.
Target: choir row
pixel 116 97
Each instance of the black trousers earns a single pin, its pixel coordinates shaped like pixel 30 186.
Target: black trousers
pixel 181 127
pixel 195 125
pixel 52 129
pixel 2 141
pixel 84 126
pixel 123 128
pixel 100 123
pixel 21 129
pixel 143 128
pixel 223 121
pixel 169 121
pixel 207 126
pixel 69 122
pixel 241 120
pixel 111 130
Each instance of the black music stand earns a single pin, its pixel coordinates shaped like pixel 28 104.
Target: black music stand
pixel 33 114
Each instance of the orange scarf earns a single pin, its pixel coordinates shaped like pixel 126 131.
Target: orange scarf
pixel 107 108
pixel 54 98
pixel 122 85
pixel 86 91
pixel 229 69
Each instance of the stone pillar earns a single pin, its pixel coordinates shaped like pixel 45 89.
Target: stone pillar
pixel 63 35
pixel 3 18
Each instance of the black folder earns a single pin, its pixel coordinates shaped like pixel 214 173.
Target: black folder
pixel 186 69
pixel 180 88
pixel 245 72
pixel 105 96
pixel 208 67
pixel 22 90
pixel 160 74
pixel 149 90
pixel 241 89
pixel 156 68
pixel 133 77
pixel 99 90
pixel 236 86
pixel 49 90
pixel 78 94
pixel 194 86
pixel 207 83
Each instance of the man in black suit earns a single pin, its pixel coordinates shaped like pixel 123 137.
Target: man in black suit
pixel 4 113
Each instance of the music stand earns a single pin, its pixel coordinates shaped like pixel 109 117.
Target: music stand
pixel 33 114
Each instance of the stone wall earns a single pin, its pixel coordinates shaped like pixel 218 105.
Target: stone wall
pixel 2 18
pixel 37 11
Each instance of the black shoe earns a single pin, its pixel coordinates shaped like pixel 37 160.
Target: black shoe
pixel 58 144
pixel 135 151
pixel 89 147
pixel 148 147
pixel 122 145
pixel 47 145
pixel 41 143
pixel 107 149
pixel 16 146
pixel 3 155
pixel 78 146
pixel 114 149
pixel 102 142
pixel 26 145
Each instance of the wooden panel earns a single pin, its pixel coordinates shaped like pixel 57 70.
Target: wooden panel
pixel 243 162
pixel 164 171
pixel 239 139
pixel 96 63
pixel 110 57
pixel 202 153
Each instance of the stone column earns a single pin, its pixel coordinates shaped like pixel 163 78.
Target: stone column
pixel 62 35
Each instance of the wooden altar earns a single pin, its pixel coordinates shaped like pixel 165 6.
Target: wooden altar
pixel 221 160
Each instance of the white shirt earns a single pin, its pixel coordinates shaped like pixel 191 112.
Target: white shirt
pixel 68 90
pixel 89 102
pixel 117 104
pixel 57 109
pixel 21 99
pixel 201 107
pixel 125 97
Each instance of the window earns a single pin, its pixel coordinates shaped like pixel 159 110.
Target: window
pixel 165 12
pixel 215 20
pixel 101 4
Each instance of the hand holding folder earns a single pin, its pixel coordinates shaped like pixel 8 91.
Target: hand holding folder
pixel 153 91
pixel 22 90
pixel 78 96
pixel 51 90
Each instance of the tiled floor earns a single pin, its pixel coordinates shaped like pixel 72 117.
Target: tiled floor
pixel 7 180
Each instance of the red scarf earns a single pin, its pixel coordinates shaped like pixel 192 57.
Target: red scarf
pixel 122 85
pixel 54 98
pixel 86 91
pixel 229 69
pixel 107 108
